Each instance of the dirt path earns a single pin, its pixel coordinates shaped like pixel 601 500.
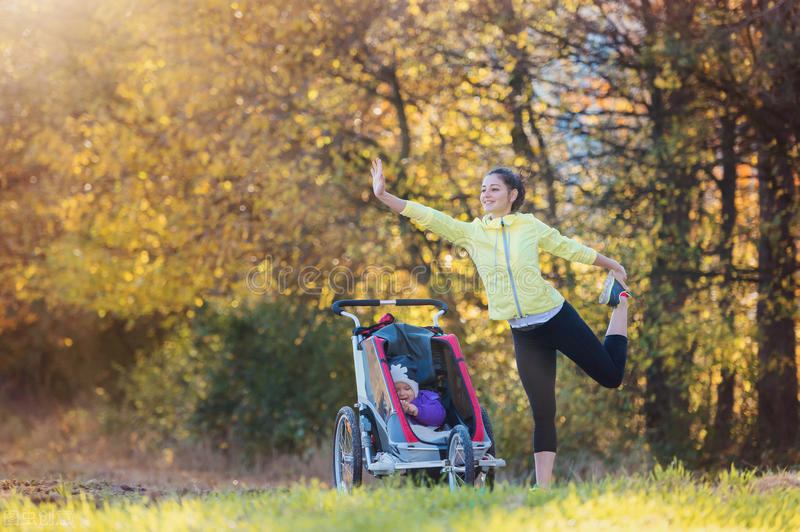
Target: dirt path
pixel 41 491
pixel 46 451
pixel 101 482
pixel 105 477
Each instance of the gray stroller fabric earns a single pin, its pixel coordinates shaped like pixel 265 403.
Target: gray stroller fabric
pixel 405 339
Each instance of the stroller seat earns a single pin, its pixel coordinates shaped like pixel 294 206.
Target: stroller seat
pixel 431 434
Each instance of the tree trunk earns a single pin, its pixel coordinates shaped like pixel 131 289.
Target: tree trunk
pixel 778 410
pixel 666 402
pixel 720 433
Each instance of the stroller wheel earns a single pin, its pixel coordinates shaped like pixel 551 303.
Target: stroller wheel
pixel 346 451
pixel 462 462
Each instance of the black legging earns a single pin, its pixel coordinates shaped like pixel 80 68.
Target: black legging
pixel 535 351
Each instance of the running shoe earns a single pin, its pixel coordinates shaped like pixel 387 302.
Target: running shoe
pixel 612 291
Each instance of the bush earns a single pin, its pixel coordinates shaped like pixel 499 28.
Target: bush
pixel 268 377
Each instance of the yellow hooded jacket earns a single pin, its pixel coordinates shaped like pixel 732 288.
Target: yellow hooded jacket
pixel 506 254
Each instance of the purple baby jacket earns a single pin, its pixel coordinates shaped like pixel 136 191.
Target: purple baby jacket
pixel 431 412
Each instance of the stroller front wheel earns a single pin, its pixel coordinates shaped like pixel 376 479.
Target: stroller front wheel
pixel 462 460
pixel 346 451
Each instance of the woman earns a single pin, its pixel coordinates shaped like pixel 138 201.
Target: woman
pixel 504 245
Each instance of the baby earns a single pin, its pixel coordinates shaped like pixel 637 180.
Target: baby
pixel 423 406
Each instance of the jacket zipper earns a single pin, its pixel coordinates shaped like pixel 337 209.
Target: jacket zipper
pixel 508 265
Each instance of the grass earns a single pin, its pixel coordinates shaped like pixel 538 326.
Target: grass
pixel 666 499
pixel 108 486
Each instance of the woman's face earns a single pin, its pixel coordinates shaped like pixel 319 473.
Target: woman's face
pixel 496 197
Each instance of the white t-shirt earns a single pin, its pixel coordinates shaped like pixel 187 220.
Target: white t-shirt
pixel 533 319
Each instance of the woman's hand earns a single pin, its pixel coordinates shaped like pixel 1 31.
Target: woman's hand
pixel 379 188
pixel 620 274
pixel 378 181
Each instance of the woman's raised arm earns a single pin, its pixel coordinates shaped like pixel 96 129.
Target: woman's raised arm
pixel 379 188
pixel 443 225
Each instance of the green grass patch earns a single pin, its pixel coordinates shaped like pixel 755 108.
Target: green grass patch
pixel 667 499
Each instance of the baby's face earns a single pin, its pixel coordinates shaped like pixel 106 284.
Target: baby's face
pixel 404 391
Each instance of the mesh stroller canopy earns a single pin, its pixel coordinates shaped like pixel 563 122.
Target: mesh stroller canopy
pixel 403 339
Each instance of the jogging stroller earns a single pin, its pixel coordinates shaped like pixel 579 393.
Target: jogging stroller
pixel 377 434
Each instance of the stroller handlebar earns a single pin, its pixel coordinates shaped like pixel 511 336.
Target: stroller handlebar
pixel 336 307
